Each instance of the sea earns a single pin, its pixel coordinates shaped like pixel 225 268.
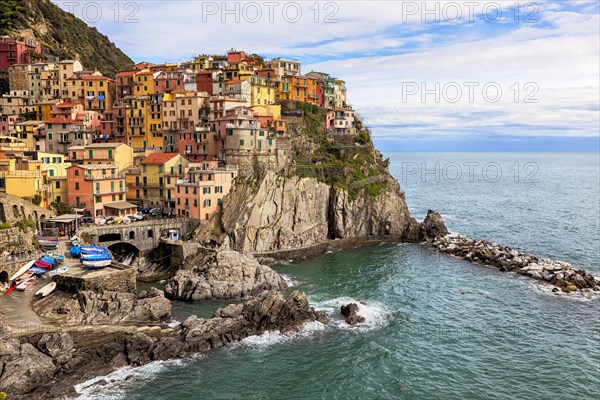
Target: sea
pixel 436 327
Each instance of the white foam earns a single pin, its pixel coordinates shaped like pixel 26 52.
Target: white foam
pixel 376 314
pixel 174 323
pixel 112 389
pixel 271 338
pixel 573 296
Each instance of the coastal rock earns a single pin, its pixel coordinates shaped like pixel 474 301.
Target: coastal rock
pixel 105 307
pixel 433 226
pixel 32 370
pixel 222 274
pixel 282 213
pixel 350 314
pixel 554 272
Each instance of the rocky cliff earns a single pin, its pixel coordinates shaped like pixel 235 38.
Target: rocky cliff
pixel 285 213
pixel 222 274
pixel 48 364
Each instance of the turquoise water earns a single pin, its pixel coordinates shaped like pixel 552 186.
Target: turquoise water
pixel 437 327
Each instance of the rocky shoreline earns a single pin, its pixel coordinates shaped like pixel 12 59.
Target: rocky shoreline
pixel 43 365
pixel 559 274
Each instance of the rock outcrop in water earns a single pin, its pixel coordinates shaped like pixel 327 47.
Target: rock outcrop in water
pixel 88 307
pixel 350 314
pixel 285 213
pixel 558 273
pixel 222 274
pixel 48 365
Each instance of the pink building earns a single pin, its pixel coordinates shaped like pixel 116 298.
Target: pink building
pixel 6 123
pixel 18 51
pixel 168 82
pixel 200 194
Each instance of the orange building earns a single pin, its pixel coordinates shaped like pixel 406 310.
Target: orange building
pixel 95 187
pixel 302 88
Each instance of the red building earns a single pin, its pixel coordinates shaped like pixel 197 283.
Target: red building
pixel 205 81
pixel 18 51
pixel 168 82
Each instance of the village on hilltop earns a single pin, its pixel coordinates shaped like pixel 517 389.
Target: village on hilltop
pixel 171 136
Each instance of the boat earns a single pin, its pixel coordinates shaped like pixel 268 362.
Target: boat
pixel 11 288
pixel 26 284
pixel 47 239
pixel 38 271
pixel 57 257
pixel 58 271
pixel 22 270
pixel 95 257
pixel 92 249
pixel 88 264
pixel 28 274
pixel 75 251
pixel 43 264
pixel 49 260
pixel 46 290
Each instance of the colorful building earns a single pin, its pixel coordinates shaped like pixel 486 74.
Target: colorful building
pixel 18 51
pixel 94 186
pixel 117 154
pixel 200 194
pixel 159 173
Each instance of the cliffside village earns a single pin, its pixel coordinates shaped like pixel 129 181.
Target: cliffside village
pixel 168 136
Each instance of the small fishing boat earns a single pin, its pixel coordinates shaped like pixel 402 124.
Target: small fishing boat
pixel 11 288
pixel 75 251
pixel 92 249
pixel 37 271
pixel 96 264
pixel 43 264
pixel 26 284
pixel 47 239
pixel 22 270
pixel 96 257
pixel 57 257
pixel 46 290
pixel 23 277
pixel 49 260
pixel 58 271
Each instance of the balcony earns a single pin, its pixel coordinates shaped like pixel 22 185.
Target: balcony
pixel 39 135
pixel 64 140
pixel 90 177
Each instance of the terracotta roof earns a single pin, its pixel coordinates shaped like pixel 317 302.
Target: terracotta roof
pixel 126 73
pixel 61 121
pixel 158 158
pixel 96 78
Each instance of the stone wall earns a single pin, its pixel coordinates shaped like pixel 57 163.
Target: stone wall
pixel 116 280
pixel 14 209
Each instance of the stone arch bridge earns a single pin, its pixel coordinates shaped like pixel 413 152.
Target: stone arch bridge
pixel 143 235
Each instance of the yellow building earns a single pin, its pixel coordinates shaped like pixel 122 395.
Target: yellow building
pixel 59 189
pixel 31 133
pixel 144 122
pixel 54 164
pixel 159 174
pixel 117 154
pixel 262 91
pixel 44 109
pixel 28 181
pixel 99 92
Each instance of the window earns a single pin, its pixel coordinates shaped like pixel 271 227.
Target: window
pixel 241 142
pixel 120 197
pixel 98 213
pixel 110 154
pixel 207 203
pixel 114 197
pixel 91 154
pixel 98 199
pixel 76 185
pixel 57 184
pixel 150 233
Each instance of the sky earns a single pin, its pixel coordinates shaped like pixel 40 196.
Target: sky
pixel 424 76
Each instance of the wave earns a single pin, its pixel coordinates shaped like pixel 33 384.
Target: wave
pixel 271 338
pixel 376 314
pixel 573 296
pixel 110 387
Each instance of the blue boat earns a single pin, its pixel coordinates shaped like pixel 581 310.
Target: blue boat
pixel 75 251
pixel 93 249
pixel 96 257
pixel 38 271
pixel 58 258
pixel 49 260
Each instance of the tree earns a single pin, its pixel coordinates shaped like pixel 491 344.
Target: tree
pixel 61 208
pixel 37 199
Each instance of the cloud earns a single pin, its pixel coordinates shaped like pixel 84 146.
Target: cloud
pixel 378 47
